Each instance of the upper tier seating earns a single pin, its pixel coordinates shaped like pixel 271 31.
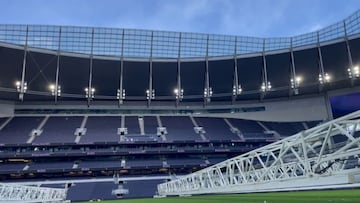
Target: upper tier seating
pixel 285 128
pixel 216 129
pixel 101 129
pixel 150 124
pixel 179 128
pixel 61 129
pixel 18 130
pixel 132 125
pixel 246 126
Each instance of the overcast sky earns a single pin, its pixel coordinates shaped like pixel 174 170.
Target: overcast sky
pixel 261 18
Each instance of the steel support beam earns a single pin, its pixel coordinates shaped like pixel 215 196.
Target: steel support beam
pixel 90 93
pixel 179 94
pixel 265 83
pixel 321 64
pixel 236 85
pixel 350 69
pixel 294 87
pixel 151 91
pixel 57 68
pixel 207 90
pixel 317 157
pixel 23 87
pixel 121 91
pixel 21 193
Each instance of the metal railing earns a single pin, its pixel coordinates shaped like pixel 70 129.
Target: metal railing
pixel 134 43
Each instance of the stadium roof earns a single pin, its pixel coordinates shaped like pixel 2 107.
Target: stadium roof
pixel 135 43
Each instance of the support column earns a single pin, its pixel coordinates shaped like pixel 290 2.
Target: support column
pixel 179 91
pixel 351 68
pixel 150 92
pixel 23 84
pixel 57 87
pixel 236 86
pixel 90 88
pixel 121 90
pixel 207 90
pixel 294 86
pixel 265 86
pixel 328 106
pixel 321 65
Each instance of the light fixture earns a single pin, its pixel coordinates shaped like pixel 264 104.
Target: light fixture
pixel 354 72
pixel 265 87
pixel 89 94
pixel 149 95
pixel 325 78
pixel 21 87
pixel 179 94
pixel 296 82
pixel 53 90
pixel 208 92
pixel 237 90
pixel 18 86
pixel 120 94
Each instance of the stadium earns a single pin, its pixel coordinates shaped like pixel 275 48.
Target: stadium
pixel 95 113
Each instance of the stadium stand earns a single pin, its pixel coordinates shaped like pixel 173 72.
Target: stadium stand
pixel 216 129
pixel 101 129
pixel 12 134
pixel 168 122
pixel 179 128
pixel 59 130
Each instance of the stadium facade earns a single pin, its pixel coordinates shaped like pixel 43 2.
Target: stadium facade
pixel 85 107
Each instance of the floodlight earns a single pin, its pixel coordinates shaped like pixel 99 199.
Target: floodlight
pixel 53 90
pixel 237 90
pixel 324 78
pixel 52 87
pixel 327 77
pixel 208 92
pixel 150 96
pixel 179 94
pixel 89 94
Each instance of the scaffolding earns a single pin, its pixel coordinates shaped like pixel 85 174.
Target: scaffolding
pixel 21 193
pixel 326 156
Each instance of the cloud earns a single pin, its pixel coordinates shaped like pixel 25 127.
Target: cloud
pixel 265 18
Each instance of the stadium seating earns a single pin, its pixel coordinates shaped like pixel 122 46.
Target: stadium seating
pixel 179 128
pixel 51 166
pixel 6 167
pixel 246 126
pixel 132 125
pixel 144 163
pixel 150 124
pixel 13 134
pixel 59 130
pixel 216 129
pixel 285 128
pixel 101 129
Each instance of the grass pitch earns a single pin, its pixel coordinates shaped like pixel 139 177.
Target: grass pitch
pixel 329 196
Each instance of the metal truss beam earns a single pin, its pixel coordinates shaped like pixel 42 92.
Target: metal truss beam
pixel 323 156
pixel 21 193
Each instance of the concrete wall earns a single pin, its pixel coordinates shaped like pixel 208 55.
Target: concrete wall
pixel 6 109
pixel 306 109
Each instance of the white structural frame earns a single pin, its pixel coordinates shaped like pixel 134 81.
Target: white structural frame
pixel 326 156
pixel 21 193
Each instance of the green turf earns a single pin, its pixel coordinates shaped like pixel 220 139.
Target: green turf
pixel 331 196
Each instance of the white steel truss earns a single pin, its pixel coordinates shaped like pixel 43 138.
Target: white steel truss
pixel 326 156
pixel 22 193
